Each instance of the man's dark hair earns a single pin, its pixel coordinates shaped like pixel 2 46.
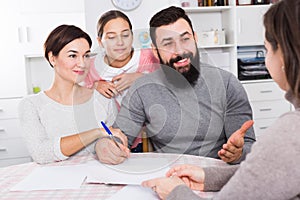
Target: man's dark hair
pixel 165 17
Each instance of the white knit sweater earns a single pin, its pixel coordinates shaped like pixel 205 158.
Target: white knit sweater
pixel 45 121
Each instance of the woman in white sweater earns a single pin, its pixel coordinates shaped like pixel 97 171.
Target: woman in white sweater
pixel 64 120
pixel 271 170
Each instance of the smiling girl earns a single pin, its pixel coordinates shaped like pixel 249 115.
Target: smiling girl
pixel 119 64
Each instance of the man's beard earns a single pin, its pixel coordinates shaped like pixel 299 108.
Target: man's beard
pixel 193 73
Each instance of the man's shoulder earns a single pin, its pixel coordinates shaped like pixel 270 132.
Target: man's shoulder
pixel 153 81
pixel 153 77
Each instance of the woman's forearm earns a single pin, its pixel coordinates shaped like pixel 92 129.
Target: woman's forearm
pixel 73 143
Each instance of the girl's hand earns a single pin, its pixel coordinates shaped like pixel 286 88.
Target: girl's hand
pixel 107 89
pixel 124 81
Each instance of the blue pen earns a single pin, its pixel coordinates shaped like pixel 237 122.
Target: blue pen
pixel 110 134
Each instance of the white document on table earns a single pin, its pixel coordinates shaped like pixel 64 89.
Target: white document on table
pixel 53 178
pixel 134 192
pixel 132 171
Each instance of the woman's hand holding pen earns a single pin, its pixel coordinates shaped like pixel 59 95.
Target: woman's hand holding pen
pixel 108 152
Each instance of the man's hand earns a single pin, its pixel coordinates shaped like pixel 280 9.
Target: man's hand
pixel 233 149
pixel 107 89
pixel 107 151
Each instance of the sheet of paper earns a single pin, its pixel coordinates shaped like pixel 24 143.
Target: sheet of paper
pixel 141 164
pixel 133 171
pixel 53 178
pixel 134 192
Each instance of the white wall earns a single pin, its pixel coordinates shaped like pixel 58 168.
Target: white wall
pixel 139 17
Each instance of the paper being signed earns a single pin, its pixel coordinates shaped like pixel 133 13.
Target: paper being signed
pixel 133 171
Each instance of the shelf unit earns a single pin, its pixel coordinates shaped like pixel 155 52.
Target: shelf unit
pixel 216 18
pixel 242 25
pixel 207 9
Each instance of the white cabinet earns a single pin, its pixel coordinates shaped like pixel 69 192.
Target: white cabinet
pixel 12 85
pixel 270 108
pixel 26 25
pixel 12 147
pixel 12 76
pixel 267 102
pixel 38 26
pixel 39 18
pixel 249 26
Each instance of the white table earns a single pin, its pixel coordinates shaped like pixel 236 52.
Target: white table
pixel 10 176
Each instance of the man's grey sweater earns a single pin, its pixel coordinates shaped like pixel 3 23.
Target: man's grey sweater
pixel 181 118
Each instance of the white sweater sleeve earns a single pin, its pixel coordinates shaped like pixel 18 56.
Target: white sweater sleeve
pixel 41 148
pixel 112 113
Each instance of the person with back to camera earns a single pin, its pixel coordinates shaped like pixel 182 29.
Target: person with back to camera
pixel 187 106
pixel 271 170
pixel 63 120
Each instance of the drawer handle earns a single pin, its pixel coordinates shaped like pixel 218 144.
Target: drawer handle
pixel 1 109
pixel 263 127
pixel 266 91
pixel 3 149
pixel 2 130
pixel 265 109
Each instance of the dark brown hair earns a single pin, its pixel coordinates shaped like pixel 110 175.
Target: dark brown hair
pixel 109 15
pixel 282 24
pixel 61 36
pixel 165 17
